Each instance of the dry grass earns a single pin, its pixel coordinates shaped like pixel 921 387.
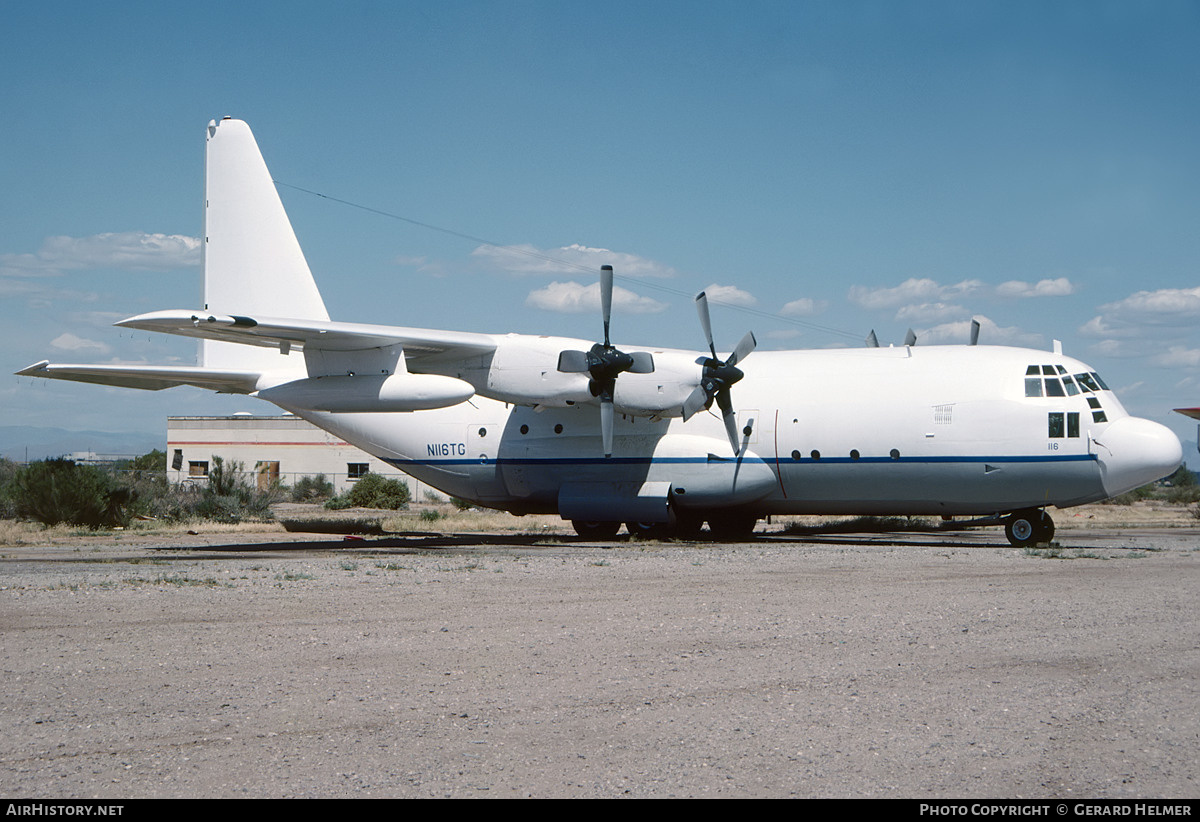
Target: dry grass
pixel 16 532
pixel 450 519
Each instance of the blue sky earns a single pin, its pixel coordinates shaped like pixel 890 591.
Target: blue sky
pixel 823 168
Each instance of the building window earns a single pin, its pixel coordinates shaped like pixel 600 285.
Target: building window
pixel 198 469
pixel 357 470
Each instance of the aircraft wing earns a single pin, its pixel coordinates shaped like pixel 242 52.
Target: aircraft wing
pixel 148 377
pixel 418 343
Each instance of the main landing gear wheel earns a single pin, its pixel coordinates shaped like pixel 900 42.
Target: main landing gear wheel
pixel 595 530
pixel 1025 528
pixel 649 530
pixel 733 527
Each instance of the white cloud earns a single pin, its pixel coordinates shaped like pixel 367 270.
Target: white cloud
pixel 528 259
pixel 730 295
pixel 128 249
pixel 959 333
pixel 930 312
pixel 70 342
pixel 1166 305
pixel 1178 356
pixel 576 298
pixel 1060 287
pixel 803 307
pixel 912 290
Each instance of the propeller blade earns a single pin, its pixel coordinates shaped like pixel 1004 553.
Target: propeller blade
pixel 872 340
pixel 573 362
pixel 910 338
pixel 747 344
pixel 695 403
pixel 606 424
pixel 731 429
pixel 606 289
pixel 705 322
pixel 974 332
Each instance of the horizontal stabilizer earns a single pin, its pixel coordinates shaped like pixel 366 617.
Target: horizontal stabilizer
pixel 148 377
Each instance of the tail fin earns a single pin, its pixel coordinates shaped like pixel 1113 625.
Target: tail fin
pixel 252 261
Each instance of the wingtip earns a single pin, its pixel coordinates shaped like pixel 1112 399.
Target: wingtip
pixel 32 370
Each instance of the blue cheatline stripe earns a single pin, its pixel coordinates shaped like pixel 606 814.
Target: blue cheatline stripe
pixel 400 463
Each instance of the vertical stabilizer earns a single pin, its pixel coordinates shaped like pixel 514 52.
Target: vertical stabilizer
pixel 252 261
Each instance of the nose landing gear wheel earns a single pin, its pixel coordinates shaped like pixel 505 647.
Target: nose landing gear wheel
pixel 1025 528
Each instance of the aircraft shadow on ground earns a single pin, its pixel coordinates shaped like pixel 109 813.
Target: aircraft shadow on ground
pixel 414 543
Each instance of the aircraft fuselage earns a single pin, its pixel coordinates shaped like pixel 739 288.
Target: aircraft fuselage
pixel 949 430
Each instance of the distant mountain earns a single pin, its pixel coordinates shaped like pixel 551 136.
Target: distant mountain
pixel 21 442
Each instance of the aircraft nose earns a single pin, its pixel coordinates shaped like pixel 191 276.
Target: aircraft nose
pixel 1135 451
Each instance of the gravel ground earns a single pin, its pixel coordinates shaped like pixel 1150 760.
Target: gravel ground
pixel 494 665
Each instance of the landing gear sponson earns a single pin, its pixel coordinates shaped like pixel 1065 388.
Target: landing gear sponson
pixel 729 528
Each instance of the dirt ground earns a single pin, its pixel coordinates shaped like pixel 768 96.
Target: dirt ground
pixel 515 663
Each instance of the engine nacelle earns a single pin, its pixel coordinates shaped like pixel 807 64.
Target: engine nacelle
pixel 370 392
pixel 524 371
pixel 661 392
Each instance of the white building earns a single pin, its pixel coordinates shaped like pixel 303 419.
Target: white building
pixel 275 449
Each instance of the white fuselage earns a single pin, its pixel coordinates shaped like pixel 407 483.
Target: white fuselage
pixel 908 430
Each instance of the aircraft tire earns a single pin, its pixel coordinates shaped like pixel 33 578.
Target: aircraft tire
pixel 688 526
pixel 595 530
pixel 733 527
pixel 1045 528
pixel 649 530
pixel 1025 528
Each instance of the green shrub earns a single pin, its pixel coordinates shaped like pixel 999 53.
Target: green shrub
pixel 312 489
pixel 55 491
pixel 373 491
pixel 8 470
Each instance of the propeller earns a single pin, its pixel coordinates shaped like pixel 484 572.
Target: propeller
pixel 604 362
pixel 718 377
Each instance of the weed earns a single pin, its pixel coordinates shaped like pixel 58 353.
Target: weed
pixel 294 576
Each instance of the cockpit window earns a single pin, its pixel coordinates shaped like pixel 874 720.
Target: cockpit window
pixel 1058 383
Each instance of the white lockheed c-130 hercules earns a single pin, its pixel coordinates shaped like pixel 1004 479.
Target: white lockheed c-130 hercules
pixel 662 440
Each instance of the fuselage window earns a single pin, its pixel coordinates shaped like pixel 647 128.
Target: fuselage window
pixel 1056 424
pixel 1072 388
pixel 1061 370
pixel 1099 416
pixel 1032 370
pixel 1033 387
pixel 1049 371
pixel 1099 381
pixel 1054 388
pixel 815 454
pixel 1073 424
pixel 1093 402
pixel 1086 383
